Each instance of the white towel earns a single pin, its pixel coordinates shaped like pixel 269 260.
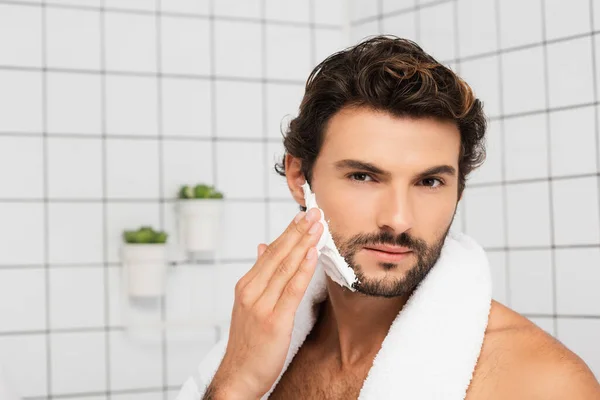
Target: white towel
pixel 432 347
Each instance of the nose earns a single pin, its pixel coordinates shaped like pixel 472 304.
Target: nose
pixel 395 212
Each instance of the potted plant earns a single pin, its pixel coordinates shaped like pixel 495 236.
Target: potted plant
pixel 144 257
pixel 200 214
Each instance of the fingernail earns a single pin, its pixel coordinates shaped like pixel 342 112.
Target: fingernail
pixel 312 215
pixel 311 253
pixel 299 216
pixel 313 229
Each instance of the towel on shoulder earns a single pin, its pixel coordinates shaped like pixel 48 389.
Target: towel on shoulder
pixel 432 347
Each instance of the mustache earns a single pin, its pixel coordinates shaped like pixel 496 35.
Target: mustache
pixel 387 238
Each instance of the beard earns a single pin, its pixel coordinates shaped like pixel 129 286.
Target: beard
pixel 427 256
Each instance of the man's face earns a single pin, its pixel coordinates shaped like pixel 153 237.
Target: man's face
pixel 387 181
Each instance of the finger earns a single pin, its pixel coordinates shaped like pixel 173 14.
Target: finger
pixel 292 294
pixel 261 249
pixel 288 268
pixel 252 272
pixel 281 248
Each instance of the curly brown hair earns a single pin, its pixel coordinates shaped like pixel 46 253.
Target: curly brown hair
pixel 390 74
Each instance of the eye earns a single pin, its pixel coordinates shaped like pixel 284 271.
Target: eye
pixel 431 182
pixel 360 177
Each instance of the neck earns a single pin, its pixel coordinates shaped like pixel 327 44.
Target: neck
pixel 352 326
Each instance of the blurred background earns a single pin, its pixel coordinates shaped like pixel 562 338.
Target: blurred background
pixel 107 107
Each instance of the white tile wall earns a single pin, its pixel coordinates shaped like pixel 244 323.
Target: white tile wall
pixel 134 137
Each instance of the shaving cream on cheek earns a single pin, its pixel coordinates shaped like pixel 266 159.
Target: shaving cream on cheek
pixel 329 256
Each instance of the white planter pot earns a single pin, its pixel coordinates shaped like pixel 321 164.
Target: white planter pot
pixel 200 224
pixel 145 267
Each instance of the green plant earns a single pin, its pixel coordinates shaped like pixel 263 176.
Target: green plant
pixel 200 191
pixel 145 234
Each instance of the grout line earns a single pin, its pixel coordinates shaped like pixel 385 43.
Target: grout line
pixel 103 107
pixel 171 14
pixel 503 160
pixel 46 222
pixel 80 395
pixel 549 168
pixel 161 168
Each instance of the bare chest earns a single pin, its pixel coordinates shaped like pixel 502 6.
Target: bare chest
pixel 308 378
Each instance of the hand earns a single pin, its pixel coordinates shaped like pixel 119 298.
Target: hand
pixel 266 300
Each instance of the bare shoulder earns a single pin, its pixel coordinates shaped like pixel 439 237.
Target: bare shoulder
pixel 520 360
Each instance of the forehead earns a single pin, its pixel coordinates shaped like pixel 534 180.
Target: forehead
pixel 389 141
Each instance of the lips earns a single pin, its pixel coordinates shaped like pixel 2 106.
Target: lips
pixel 389 249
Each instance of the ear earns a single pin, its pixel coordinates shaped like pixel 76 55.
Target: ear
pixel 295 178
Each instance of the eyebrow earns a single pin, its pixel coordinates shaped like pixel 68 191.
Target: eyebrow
pixel 372 168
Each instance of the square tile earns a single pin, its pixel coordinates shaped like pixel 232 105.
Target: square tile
pixel 247 178
pixel 526 147
pixel 484 211
pixel 73 38
pixel 143 5
pixel 86 284
pixel 246 38
pixel 566 18
pixel 520 22
pixel 74 103
pixel 524 89
pixel 185 45
pixel 573 141
pixel 21 167
pixel 283 104
pixel 276 184
pixel 186 107
pixel 530 280
pixel 186 6
pixel 545 323
pixel 497 260
pixel 127 216
pixel 22 233
pixel 477 29
pixel 131 105
pixel 21 101
pixel 236 8
pixel 185 302
pixel 361 9
pixel 491 170
pixel 75 233
pixel 186 163
pixel 436 31
pixel 130 42
pixel 327 42
pixel 134 365
pixel 24 23
pixel 78 362
pixel 330 12
pixel 245 101
pixel 576 211
pixel 396 5
pixel 528 214
pixel 483 77
pixel 570 72
pixel 288 52
pixel 577 281
pixel 27 288
pixel 74 168
pixel 244 228
pixel 581 337
pixel 402 25
pixel 132 169
pixel 363 31
pixel 183 359
pixel 287 10
pixel 24 360
pixel 227 277
pixel 281 215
